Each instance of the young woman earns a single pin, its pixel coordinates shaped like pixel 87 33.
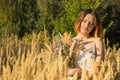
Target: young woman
pixel 89 34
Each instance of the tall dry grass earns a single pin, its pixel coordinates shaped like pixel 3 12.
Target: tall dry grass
pixel 36 60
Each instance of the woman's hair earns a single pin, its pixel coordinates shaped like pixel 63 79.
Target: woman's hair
pixel 97 31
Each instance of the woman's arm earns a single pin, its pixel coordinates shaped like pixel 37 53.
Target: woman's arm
pixel 99 57
pixel 99 50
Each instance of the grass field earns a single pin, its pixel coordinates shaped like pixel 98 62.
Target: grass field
pixel 34 59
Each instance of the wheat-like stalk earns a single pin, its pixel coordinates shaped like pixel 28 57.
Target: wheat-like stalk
pixel 35 60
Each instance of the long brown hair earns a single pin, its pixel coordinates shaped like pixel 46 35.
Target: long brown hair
pixel 97 31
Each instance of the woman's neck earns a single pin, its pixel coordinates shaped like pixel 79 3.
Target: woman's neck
pixel 83 36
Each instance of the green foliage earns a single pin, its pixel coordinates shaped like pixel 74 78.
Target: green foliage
pixel 2 24
pixel 111 23
pixel 90 4
pixel 5 17
pixel 23 17
pixel 72 8
pixel 26 16
pixel 50 11
pixel 66 22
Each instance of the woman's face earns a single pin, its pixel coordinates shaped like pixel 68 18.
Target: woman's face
pixel 87 24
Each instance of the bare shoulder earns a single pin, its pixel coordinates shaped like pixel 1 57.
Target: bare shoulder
pixel 99 45
pixel 98 40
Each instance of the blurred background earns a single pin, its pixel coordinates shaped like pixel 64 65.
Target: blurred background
pixel 22 17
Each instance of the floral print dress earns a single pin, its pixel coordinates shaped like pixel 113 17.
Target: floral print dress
pixel 87 55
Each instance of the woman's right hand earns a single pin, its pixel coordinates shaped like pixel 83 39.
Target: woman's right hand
pixel 71 72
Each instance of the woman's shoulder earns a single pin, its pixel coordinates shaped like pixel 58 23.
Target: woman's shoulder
pixel 97 39
pixel 74 39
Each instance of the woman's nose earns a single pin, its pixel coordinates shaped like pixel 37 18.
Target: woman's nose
pixel 86 24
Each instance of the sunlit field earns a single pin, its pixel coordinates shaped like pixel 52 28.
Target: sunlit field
pixel 35 58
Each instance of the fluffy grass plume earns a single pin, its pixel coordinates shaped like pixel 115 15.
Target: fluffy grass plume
pixel 36 60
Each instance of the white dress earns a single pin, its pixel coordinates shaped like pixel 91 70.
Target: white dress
pixel 87 55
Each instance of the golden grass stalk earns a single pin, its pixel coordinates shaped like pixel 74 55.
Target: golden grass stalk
pixel 22 61
pixel 66 38
pixel 84 72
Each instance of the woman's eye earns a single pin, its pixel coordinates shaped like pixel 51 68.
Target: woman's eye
pixel 91 23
